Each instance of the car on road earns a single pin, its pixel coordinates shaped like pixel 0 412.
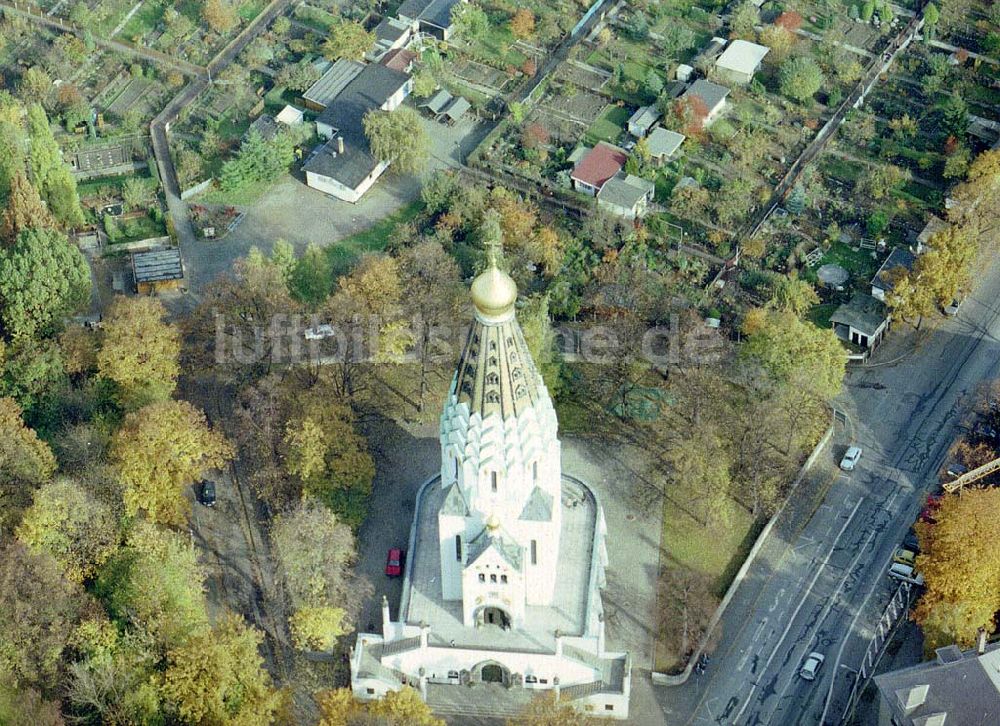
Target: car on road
pixel 811 665
pixel 851 457
pixel 206 492
pixel 394 562
pixel 905 573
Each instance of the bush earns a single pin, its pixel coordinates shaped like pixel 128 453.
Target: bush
pixel 800 78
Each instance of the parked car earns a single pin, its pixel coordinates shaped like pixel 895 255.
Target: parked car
pixel 985 431
pixel 955 470
pixel 911 542
pixel 206 493
pixel 394 562
pixel 952 308
pixel 851 457
pixel 811 665
pixel 905 573
pixel 905 556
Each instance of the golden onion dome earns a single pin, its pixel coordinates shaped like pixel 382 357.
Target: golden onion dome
pixel 494 292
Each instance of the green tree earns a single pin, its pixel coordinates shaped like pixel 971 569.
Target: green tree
pixel 538 334
pixel 312 277
pixel 217 677
pixel 43 278
pixel 298 76
pixel 780 42
pixel 138 193
pixel 159 451
pixel 34 373
pixel 400 708
pixel 470 22
pixel 398 137
pixel 25 462
pixel 26 706
pixel 12 145
pixel 743 21
pixel 792 349
pixel 258 162
pixel 139 351
pixel 38 608
pixel 25 209
pixel 792 294
pixel 49 172
pixel 800 78
pixel 348 40
pixel 283 258
pixel 156 584
pixel 960 562
pixel 424 84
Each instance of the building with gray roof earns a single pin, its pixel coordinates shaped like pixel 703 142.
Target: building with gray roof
pixel 331 83
pixel 627 197
pixel 663 143
pixel 711 94
pixel 429 16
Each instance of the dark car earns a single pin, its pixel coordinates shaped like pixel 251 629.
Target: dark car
pixel 394 562
pixel 911 542
pixel 206 493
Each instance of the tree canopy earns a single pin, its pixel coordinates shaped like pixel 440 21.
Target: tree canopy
pixel 398 137
pixel 348 40
pixel 800 78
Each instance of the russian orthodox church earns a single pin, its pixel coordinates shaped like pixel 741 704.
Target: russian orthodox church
pixel 505 564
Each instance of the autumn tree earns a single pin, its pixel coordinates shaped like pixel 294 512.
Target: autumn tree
pixel 433 283
pixel 800 78
pixel 398 137
pixel 348 40
pixel 25 462
pixel 785 346
pixel 779 41
pixel 155 584
pixel 26 706
pixel 960 562
pixel 906 297
pixel 49 172
pixel 159 451
pixel 743 21
pixel 688 606
pixel 792 294
pixel 66 522
pixel 43 278
pixel 978 196
pixel 687 115
pixel 546 710
pixel 139 351
pixel 220 15
pixel 38 609
pixel 696 460
pixel 24 209
pixel 522 23
pixel 217 677
pixel 400 708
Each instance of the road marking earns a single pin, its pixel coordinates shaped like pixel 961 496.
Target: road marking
pixel 748 651
pixel 802 601
pixel 777 600
pixel 806 542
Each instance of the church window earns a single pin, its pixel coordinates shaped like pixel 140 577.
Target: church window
pixel 493 361
pixel 516 374
pixel 458 547
pixel 503 579
pixel 531 679
pixel 543 680
pixel 493 345
pixel 492 379
pixel 534 471
pixel 493 480
pixel 482 577
pixel 492 397
pixel 534 551
pixel 520 391
pixel 371 691
pixel 454 468
pixel 513 356
pixel 609 707
pixel 493 578
pixel 510 342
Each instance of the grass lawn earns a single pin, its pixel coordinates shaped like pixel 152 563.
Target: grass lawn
pixel 250 9
pixel 819 315
pixel 861 265
pixel 144 21
pixel 344 253
pixel 608 126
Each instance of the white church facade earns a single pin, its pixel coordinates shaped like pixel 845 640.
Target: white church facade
pixel 503 579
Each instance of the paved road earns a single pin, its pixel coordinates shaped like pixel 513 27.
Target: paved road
pixel 821 587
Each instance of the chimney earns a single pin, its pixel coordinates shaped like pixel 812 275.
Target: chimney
pixel 981 641
pixel 340 144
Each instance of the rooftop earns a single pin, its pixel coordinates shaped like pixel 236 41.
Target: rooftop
pixel 390 30
pixel 600 164
pixel 157 265
pixel 711 93
pixel 899 257
pixel 961 688
pixel 862 312
pixel 579 517
pixel 742 56
pixel 627 192
pixel 934 225
pixel 437 103
pixel 457 108
pixel 663 142
pixel 265 125
pixel 433 12
pixel 399 59
pixel 644 117
pixel 333 81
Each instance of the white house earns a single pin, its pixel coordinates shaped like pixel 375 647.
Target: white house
pixel 507 553
pixel 740 61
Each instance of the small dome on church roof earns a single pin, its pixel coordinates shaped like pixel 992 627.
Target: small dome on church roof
pixel 494 292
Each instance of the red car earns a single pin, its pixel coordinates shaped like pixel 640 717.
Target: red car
pixel 394 562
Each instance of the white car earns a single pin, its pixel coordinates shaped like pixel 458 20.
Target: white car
pixel 811 665
pixel 850 459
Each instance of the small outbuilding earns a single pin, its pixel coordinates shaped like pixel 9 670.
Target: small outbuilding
pixel 663 143
pixel 683 72
pixel 642 121
pixel 455 110
pixel 934 225
pixel 265 125
pixel 156 270
pixel 437 103
pixel 627 197
pixel 862 320
pixel 289 116
pixel 881 283
pixel 740 61
pixel 712 95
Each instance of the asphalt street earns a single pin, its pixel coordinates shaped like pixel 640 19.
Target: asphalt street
pixel 822 586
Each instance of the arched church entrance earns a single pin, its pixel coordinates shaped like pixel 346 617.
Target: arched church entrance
pixel 491 615
pixel 490 671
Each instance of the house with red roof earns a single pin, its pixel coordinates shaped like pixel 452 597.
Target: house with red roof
pixel 596 167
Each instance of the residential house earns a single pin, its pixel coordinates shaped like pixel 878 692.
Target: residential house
pixel 862 320
pixel 712 95
pixel 662 144
pixel 593 170
pixel 334 80
pixel 740 61
pixel 881 284
pixel 345 167
pixel 432 17
pixel 157 270
pixel 957 688
pixel 626 197
pixel 642 121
